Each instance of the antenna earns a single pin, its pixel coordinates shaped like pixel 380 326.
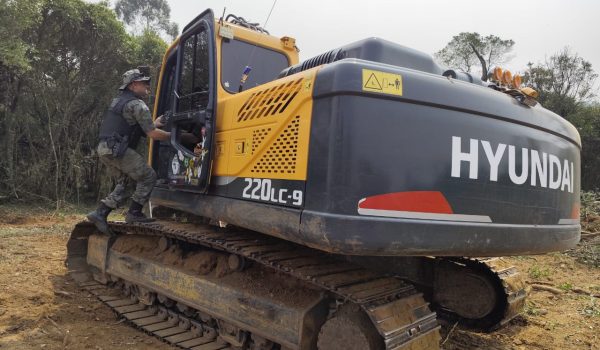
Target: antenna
pixel 269 16
pixel 223 15
pixel 248 68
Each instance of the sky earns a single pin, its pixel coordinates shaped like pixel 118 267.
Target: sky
pixel 539 28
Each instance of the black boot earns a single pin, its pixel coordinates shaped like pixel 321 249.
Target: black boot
pixel 98 217
pixel 135 214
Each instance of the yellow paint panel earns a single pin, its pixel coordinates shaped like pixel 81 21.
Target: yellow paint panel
pixel 381 82
pixel 265 130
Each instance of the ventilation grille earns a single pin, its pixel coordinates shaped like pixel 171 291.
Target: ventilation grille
pixel 258 136
pixel 270 101
pixel 281 156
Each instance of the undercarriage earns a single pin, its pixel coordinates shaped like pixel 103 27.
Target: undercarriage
pixel 200 286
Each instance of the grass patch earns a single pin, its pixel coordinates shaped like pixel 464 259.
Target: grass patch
pixel 567 286
pixel 531 309
pixel 30 230
pixel 20 219
pixel 521 257
pixel 536 272
pixel 22 213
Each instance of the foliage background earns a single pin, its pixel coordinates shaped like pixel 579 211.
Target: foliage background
pixel 61 62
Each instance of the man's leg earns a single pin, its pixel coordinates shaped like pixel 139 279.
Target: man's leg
pixel 119 194
pixel 135 167
pixel 113 200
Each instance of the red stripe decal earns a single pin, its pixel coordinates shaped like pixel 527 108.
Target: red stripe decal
pixel 419 201
pixel 575 211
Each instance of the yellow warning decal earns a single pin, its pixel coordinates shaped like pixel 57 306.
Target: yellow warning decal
pixel 385 83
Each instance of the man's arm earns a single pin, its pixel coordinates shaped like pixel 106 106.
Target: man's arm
pixel 141 114
pixel 161 135
pixel 158 134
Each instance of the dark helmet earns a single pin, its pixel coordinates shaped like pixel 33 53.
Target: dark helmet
pixel 133 75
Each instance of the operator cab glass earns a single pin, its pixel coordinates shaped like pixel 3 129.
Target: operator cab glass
pixel 193 85
pixel 266 64
pixel 193 81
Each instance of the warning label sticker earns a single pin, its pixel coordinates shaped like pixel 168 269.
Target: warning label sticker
pixel 385 83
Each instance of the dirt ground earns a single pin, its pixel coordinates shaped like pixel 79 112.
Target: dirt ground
pixel 41 308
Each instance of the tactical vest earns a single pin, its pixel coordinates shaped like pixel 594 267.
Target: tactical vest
pixel 114 123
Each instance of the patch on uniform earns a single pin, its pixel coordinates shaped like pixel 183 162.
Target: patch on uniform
pixel 381 82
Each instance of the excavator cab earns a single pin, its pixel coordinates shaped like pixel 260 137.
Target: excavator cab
pixel 206 67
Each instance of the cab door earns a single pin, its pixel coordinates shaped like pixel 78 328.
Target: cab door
pixel 193 112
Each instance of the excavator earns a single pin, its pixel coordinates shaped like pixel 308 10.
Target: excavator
pixel 356 200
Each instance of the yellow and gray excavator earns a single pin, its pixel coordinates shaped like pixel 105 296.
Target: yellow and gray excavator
pixel 355 200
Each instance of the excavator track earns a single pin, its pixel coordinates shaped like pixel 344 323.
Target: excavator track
pixel 480 294
pixel 510 290
pixel 396 309
pixel 167 324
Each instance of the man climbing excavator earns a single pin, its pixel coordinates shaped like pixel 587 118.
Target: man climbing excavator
pixel 123 124
pixel 351 201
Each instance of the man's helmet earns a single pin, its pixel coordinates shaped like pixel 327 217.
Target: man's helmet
pixel 133 75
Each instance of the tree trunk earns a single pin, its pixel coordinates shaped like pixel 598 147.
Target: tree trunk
pixel 57 163
pixel 484 68
pixel 10 132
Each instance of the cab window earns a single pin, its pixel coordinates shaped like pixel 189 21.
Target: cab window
pixel 193 82
pixel 266 64
pixel 165 101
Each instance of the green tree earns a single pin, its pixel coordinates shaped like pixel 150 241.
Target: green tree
pixel 60 64
pixel 16 19
pixel 150 15
pixel 73 54
pixel 466 49
pixel 565 82
pixel 147 49
pixel 587 120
